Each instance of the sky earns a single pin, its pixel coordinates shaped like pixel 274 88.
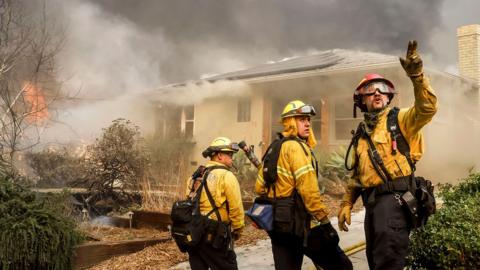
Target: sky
pixel 118 50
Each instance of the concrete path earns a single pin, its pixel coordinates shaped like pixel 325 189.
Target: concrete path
pixel 259 256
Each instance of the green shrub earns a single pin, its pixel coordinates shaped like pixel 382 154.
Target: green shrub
pixel 246 174
pixel 451 238
pixel 33 234
pixel 332 165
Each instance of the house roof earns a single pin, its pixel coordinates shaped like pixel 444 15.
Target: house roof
pixel 326 60
pixel 335 60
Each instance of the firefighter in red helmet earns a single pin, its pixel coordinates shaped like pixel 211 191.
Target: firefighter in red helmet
pixel 385 148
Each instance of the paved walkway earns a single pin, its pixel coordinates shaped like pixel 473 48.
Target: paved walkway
pixel 259 257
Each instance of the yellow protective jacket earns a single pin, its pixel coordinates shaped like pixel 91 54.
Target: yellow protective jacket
pixel 224 187
pixel 295 171
pixel 410 120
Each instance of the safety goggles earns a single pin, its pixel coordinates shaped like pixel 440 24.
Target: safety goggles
pixel 371 88
pixel 307 109
pixel 226 148
pixel 304 110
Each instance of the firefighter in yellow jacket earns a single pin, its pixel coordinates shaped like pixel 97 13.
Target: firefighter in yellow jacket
pixel 296 178
pixel 225 192
pixel 387 225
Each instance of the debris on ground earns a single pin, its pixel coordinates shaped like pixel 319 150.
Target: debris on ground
pixel 166 255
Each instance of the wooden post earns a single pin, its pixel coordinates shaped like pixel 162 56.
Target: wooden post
pixel 324 122
pixel 267 122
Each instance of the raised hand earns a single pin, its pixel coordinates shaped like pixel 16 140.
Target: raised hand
pixel 412 64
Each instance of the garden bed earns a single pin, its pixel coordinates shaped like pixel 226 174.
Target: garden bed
pixel 166 255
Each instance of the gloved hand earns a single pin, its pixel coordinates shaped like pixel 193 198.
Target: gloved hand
pixel 236 234
pixel 344 215
pixel 412 64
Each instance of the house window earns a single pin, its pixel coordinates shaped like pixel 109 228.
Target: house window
pixel 188 119
pixel 243 110
pixel 344 121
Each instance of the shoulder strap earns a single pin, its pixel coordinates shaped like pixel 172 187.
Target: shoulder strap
pixel 398 140
pixel 375 157
pixel 353 143
pixel 209 195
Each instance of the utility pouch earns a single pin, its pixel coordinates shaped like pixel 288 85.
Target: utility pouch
pixel 426 199
pixel 261 213
pixel 217 234
pixel 284 215
pixel 197 228
pixel 411 205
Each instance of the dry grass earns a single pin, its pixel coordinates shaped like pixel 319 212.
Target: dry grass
pixel 108 233
pixel 166 255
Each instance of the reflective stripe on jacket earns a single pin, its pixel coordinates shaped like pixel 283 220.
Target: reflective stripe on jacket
pixel 295 170
pixel 224 187
pixel 410 120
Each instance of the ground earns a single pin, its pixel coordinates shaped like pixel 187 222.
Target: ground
pixel 166 255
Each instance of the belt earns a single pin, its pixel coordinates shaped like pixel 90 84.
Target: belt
pixel 399 184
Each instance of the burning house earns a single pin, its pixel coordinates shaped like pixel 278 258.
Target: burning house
pixel 246 104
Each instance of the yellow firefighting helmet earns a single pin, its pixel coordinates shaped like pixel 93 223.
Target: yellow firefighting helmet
pixel 297 107
pixel 220 144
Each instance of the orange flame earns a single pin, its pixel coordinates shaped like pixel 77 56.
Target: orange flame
pixel 34 96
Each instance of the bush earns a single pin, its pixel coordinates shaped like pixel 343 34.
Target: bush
pixel 33 234
pixel 332 165
pixel 56 168
pixel 246 174
pixel 451 238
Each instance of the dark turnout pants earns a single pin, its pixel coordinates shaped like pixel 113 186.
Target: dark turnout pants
pixel 204 257
pixel 322 248
pixel 387 233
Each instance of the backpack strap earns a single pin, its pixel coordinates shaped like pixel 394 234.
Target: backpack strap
pixel 353 145
pixel 270 158
pixel 375 157
pixel 398 140
pixel 209 194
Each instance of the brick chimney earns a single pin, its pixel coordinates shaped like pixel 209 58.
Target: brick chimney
pixel 469 51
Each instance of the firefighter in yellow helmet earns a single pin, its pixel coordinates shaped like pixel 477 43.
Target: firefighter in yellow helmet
pixel 383 178
pixel 224 189
pixel 302 227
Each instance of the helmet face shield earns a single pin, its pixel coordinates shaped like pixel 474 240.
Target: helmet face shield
pixel 221 144
pixel 304 110
pixel 233 147
pixel 373 87
pixel 307 109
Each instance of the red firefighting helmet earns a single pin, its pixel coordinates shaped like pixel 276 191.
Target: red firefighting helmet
pixel 369 85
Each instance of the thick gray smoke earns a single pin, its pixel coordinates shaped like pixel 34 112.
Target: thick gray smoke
pixel 116 50
pixel 203 33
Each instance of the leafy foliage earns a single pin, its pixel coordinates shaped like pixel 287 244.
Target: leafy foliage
pixel 116 162
pixel 451 238
pixel 56 168
pixel 33 234
pixel 246 174
pixel 332 165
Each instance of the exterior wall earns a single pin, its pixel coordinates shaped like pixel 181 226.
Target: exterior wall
pixel 451 146
pixel 469 51
pixel 218 117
